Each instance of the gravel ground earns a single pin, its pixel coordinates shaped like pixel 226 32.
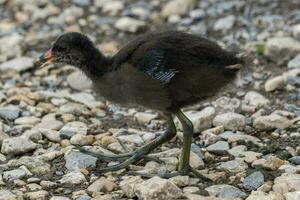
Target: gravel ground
pixel 246 139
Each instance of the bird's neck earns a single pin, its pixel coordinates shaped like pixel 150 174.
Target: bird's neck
pixel 95 64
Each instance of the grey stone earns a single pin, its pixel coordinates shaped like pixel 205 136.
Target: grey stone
pixel 10 112
pixel 75 160
pixel 157 188
pixel 292 195
pixel 220 148
pixel 128 185
pixel 129 24
pixel 295 62
pixel 233 166
pixel 281 49
pixel 10 46
pixel 295 160
pixel 225 191
pixel 73 128
pixel 17 64
pixel 254 181
pixel 256 99
pixel 230 121
pixel 17 145
pixel 15 174
pixel 178 7
pixel 8 195
pixel 73 178
pixel 225 23
pixel 270 122
pixel 274 83
pixel 225 104
pixel 74 108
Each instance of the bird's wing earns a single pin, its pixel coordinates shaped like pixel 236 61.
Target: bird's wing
pixel 154 63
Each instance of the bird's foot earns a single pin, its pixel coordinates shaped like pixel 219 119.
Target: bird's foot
pixel 186 172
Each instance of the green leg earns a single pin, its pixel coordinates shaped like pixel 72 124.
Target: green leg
pixel 143 151
pixel 184 160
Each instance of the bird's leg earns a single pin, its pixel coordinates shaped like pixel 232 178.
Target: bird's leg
pixel 143 151
pixel 188 129
pixel 184 167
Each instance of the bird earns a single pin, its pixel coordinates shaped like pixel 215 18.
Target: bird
pixel 161 70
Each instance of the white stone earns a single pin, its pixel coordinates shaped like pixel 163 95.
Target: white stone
pixel 17 145
pixel 230 121
pixel 224 23
pixel 271 121
pixel 255 99
pixel 129 24
pixel 178 7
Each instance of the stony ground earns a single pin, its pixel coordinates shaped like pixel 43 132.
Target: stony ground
pixel 246 139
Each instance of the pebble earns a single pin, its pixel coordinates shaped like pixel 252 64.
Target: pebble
pixel 15 174
pixel 17 64
pixel 224 24
pixel 129 24
pixel 102 185
pixel 230 121
pixel 59 198
pixel 220 148
pixel 295 160
pixel 270 163
pixel 201 120
pixel 144 118
pixel 295 62
pixel 225 104
pixel 281 49
pixel 292 195
pixel 177 7
pixel 10 112
pixel 225 191
pixel 73 178
pixel 270 122
pixel 75 160
pixel 296 31
pixel 260 195
pixel 129 184
pixel 256 99
pixel 73 128
pixel 233 166
pixel 41 195
pixel 180 181
pixel 253 181
pixel 157 188
pixel 10 47
pixel 17 145
pixel 274 83
pixel 30 120
pixel 81 140
pixel 132 138
pixel 8 195
pixel 51 135
pixel 287 183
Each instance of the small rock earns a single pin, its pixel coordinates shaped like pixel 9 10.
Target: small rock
pixel 129 184
pixel 260 195
pixel 255 99
pixel 274 83
pixel 295 160
pixel 219 148
pixel 233 166
pixel 132 138
pixel 75 160
pixel 30 120
pixel 17 64
pixel 292 195
pixel 10 47
pixel 8 195
pixel 225 23
pixel 254 181
pixel 201 120
pixel 40 195
pixel 81 140
pixel 49 122
pixel 225 104
pixel 51 135
pixel 157 188
pixel 281 49
pixel 102 185
pixel 129 24
pixel 10 112
pixel 73 128
pixel 225 191
pixel 78 81
pixel 60 198
pixel 180 181
pixel 75 109
pixel 17 145
pixel 287 183
pixel 178 7
pixel 296 31
pixel 270 163
pixel 73 178
pixel 270 122
pixel 230 121
pixel 15 174
pixel 144 118
pixel 195 161
pixel 294 63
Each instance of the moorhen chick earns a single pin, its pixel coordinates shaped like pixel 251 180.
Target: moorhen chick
pixel 163 71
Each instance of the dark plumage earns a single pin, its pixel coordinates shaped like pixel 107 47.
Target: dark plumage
pixel 163 71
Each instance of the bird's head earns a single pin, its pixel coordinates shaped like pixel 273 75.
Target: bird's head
pixel 70 48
